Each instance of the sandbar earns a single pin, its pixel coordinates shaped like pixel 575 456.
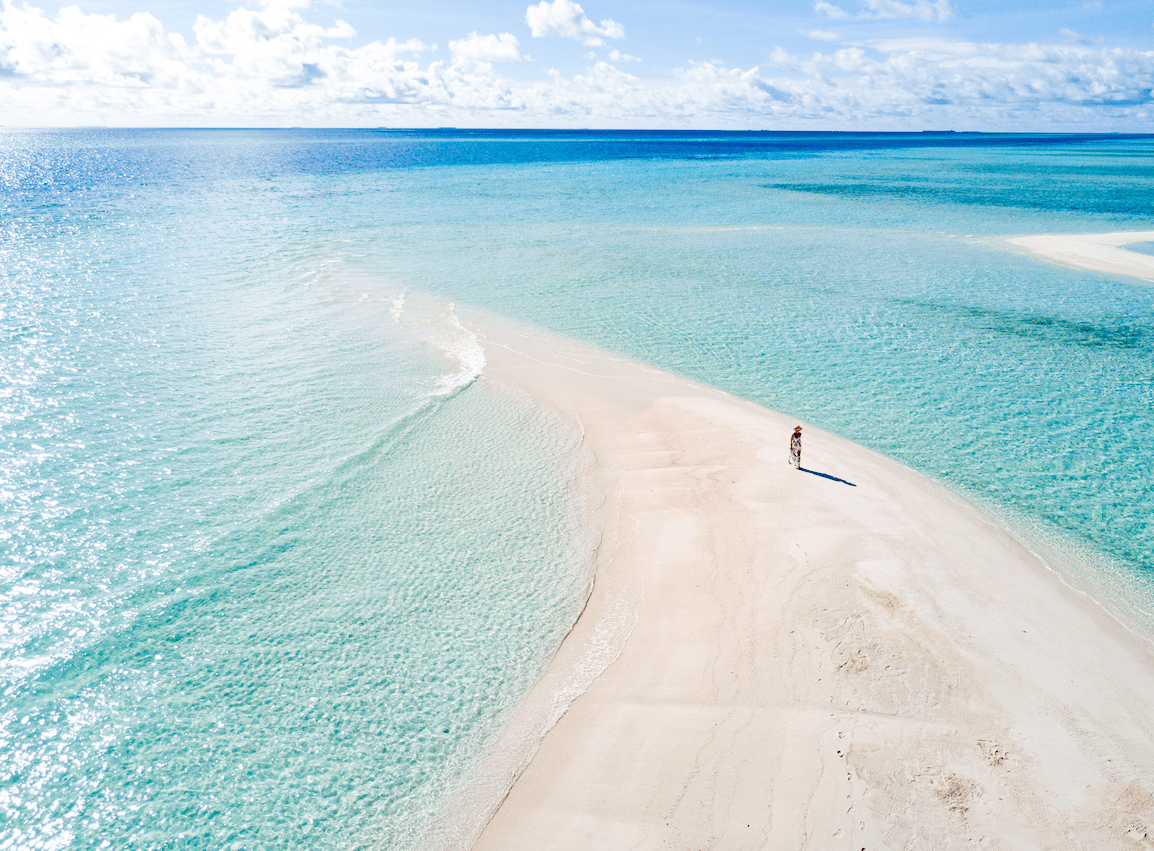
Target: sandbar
pixel 844 657
pixel 1095 252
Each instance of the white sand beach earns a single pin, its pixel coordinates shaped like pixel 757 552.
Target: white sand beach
pixel 846 657
pixel 1096 252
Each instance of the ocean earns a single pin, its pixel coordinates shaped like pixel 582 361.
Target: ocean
pixel 275 565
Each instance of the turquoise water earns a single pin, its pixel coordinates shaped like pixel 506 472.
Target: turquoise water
pixel 275 566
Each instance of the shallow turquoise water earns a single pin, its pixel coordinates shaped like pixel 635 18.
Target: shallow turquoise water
pixel 872 302
pixel 274 566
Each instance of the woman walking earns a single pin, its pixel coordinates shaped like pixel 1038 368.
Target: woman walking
pixel 795 448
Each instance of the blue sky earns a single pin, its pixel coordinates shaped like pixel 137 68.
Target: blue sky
pixel 788 64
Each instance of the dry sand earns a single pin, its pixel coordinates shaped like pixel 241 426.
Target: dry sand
pixel 846 657
pixel 1097 252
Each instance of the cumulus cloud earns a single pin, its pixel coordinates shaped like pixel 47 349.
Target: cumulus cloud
pixel 822 35
pixel 271 66
pixel 97 49
pixel 487 48
pixel 567 19
pixel 925 10
pixel 618 56
pixel 980 83
pixel 272 43
pixel 99 68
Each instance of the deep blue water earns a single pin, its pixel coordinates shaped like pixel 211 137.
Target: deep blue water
pixel 274 566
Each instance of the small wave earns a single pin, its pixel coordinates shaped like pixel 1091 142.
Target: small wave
pixel 429 321
pixel 459 344
pixel 397 308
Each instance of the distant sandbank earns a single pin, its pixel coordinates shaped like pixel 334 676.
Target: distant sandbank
pixel 1095 252
pixel 843 657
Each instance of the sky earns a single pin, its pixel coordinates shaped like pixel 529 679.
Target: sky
pixel 989 65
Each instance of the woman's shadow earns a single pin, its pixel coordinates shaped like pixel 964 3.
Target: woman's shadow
pixel 827 476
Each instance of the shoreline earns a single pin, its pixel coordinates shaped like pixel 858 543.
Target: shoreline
pixel 850 656
pixel 1093 252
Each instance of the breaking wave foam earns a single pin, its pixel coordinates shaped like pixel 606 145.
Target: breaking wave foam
pixel 460 345
pixel 433 322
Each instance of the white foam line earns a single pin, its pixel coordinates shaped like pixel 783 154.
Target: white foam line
pixel 397 308
pixel 461 345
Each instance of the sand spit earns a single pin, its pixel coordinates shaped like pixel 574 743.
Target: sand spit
pixel 845 657
pixel 1096 252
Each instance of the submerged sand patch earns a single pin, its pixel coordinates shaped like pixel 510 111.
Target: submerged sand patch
pixel 1095 252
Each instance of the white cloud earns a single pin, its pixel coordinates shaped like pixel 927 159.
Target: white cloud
pixel 567 19
pixel 271 66
pixel 271 26
pixel 273 43
pixel 77 49
pixel 618 56
pixel 1078 38
pixel 835 12
pixel 979 84
pixel 925 10
pixel 487 48
pixel 822 35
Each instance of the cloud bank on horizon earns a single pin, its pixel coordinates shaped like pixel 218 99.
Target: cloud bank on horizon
pixel 273 64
